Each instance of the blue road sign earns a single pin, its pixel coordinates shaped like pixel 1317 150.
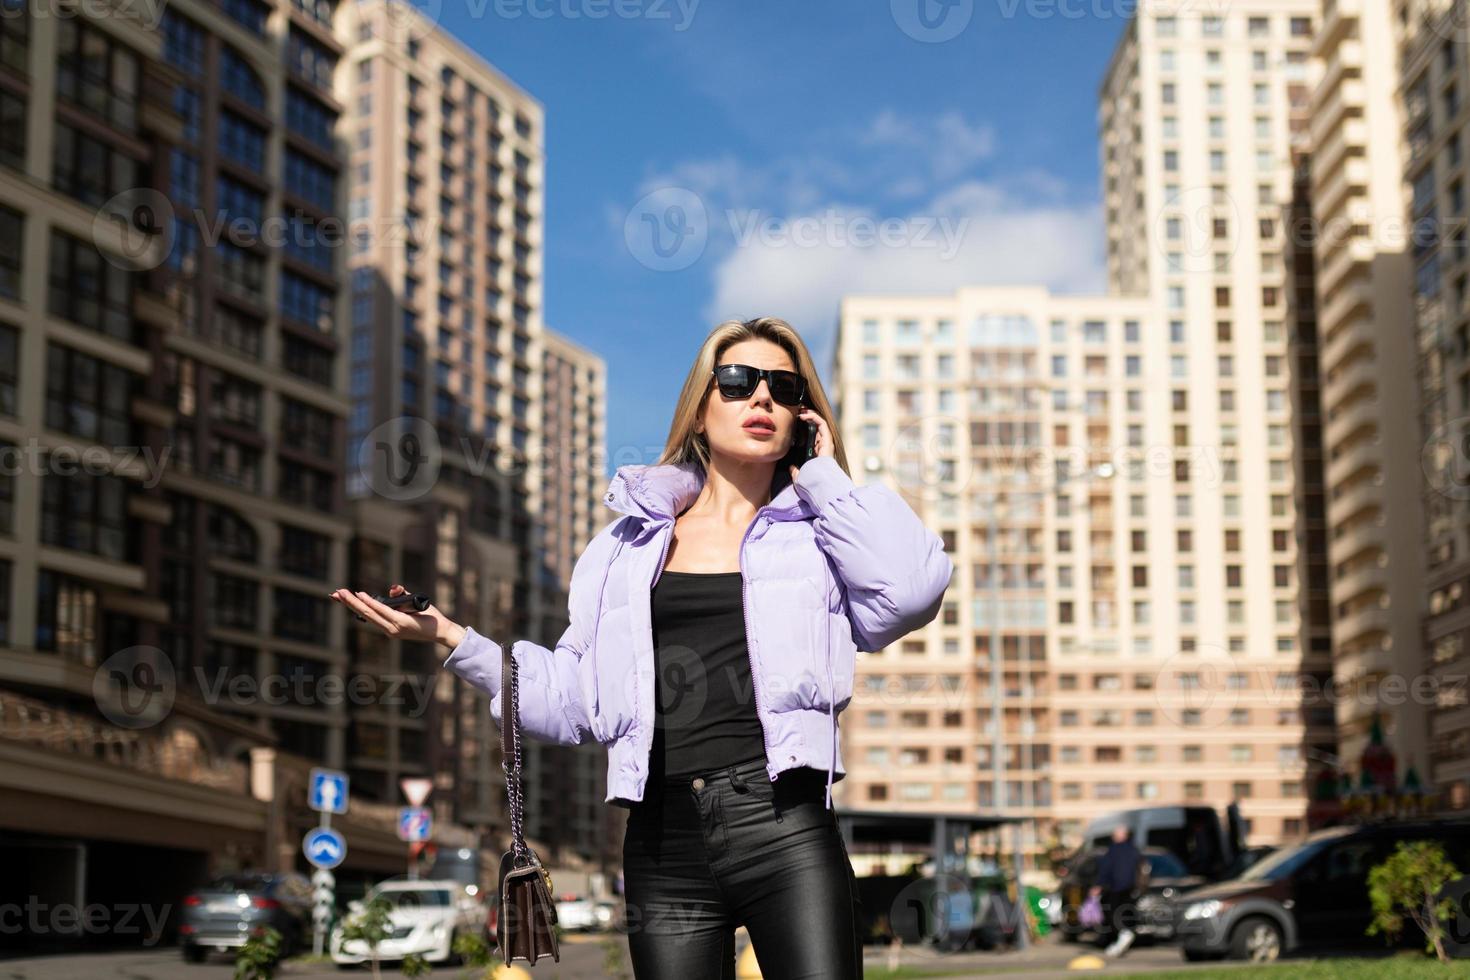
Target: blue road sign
pixel 324 847
pixel 327 791
pixel 415 823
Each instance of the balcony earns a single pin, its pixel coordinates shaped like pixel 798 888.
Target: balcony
pixel 1343 261
pixel 1369 452
pixel 1360 625
pixel 1365 493
pixel 1351 177
pixel 1347 98
pixel 1360 411
pixel 1343 320
pixel 1357 582
pixel 1345 65
pixel 1352 135
pixel 1338 17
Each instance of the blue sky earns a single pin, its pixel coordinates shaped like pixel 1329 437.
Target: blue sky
pixel 799 116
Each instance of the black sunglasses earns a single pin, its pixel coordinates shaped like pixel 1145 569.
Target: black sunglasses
pixel 739 380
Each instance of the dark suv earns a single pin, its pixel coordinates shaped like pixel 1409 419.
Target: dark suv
pixel 1314 893
pixel 224 913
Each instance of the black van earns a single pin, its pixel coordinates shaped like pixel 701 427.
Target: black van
pixel 1313 894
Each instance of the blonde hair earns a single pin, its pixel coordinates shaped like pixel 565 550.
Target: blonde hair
pixel 684 445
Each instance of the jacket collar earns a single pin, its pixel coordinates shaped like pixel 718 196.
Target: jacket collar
pixel 659 493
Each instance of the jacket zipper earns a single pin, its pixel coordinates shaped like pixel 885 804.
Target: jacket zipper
pixel 745 610
pixel 755 688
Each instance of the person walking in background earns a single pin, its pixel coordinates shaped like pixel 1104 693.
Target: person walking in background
pixel 1117 882
pixel 713 641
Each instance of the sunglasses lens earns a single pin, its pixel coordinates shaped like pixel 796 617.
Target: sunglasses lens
pixel 735 380
pixel 786 387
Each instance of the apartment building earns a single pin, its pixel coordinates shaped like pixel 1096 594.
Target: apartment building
pixel 174 405
pixel 1038 434
pixel 1199 115
pixel 570 793
pixel 451 365
pixel 1368 377
pixel 1429 43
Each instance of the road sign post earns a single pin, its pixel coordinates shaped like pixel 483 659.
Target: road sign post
pixel 325 848
pixel 416 791
pixel 415 825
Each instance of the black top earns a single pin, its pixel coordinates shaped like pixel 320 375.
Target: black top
pixel 705 701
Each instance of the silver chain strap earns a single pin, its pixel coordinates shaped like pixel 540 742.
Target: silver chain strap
pixel 511 716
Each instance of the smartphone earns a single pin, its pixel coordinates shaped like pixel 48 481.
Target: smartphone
pixel 413 600
pixel 804 446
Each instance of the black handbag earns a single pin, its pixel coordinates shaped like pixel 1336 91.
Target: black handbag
pixel 527 925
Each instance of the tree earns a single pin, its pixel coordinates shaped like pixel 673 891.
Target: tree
pixel 1410 883
pixel 369 925
pixel 415 965
pixel 257 959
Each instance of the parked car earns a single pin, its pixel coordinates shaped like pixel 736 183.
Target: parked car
pixel 224 913
pixel 606 913
pixel 1165 879
pixel 426 918
pixel 576 913
pixel 1246 858
pixel 1310 894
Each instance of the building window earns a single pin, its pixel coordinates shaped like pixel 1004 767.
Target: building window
pixel 88 290
pixel 66 617
pixel 87 397
pixel 85 512
pixel 96 72
pixel 12 119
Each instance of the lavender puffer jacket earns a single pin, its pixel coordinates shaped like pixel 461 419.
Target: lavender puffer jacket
pixel 829 568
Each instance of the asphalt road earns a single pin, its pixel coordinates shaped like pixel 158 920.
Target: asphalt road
pixel 582 958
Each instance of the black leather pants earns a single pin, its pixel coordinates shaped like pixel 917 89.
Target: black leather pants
pixel 703 856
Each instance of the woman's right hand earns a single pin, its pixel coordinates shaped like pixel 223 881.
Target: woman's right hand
pixel 431 625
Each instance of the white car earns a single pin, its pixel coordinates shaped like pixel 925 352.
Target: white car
pixel 576 913
pixel 426 918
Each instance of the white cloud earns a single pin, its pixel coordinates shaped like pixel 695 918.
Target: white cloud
pixel 947 145
pixel 783 241
pixel 1003 238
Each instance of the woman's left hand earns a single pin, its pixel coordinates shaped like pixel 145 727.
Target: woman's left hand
pixel 824 436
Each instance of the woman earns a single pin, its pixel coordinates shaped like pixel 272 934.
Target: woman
pixel 712 644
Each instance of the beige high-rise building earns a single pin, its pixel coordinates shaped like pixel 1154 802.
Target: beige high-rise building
pixel 1199 116
pixel 1368 378
pixel 449 352
pixel 1165 607
pixel 1040 435
pixel 573 426
pixel 1431 39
